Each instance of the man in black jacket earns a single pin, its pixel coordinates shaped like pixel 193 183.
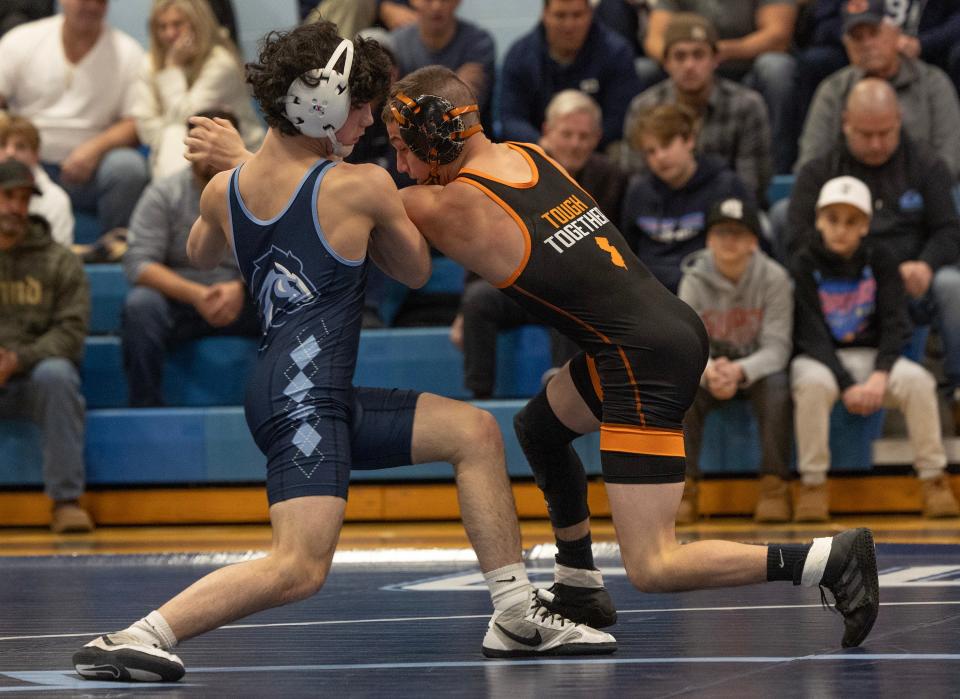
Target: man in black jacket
pixel 915 219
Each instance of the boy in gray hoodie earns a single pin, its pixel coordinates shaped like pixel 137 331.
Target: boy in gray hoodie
pixel 745 300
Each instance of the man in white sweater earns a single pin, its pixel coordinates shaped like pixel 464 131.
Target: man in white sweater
pixel 72 75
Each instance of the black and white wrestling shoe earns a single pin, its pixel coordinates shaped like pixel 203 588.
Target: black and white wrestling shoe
pixel 122 658
pixel 530 629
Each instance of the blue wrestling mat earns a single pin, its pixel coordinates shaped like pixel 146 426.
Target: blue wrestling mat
pixel 408 628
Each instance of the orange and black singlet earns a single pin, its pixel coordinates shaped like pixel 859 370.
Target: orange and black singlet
pixel 645 349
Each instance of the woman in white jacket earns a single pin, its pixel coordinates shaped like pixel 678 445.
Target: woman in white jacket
pixel 192 66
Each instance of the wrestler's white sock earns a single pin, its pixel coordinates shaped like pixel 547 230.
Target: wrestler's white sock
pixel 508 585
pixel 153 630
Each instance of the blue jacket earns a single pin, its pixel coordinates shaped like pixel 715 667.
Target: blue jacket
pixel 604 69
pixel 664 225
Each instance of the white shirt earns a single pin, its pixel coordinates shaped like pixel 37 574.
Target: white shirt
pixel 53 203
pixel 163 101
pixel 69 103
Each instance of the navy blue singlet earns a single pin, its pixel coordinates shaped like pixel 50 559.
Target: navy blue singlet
pixel 301 408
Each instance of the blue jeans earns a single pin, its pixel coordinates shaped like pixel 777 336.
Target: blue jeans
pixel 774 76
pixel 941 307
pixel 152 325
pixel 113 191
pixel 50 396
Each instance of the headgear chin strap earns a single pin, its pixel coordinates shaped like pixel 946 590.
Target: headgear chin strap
pixel 432 128
pixel 318 102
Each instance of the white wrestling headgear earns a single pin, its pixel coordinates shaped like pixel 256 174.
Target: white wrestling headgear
pixel 319 111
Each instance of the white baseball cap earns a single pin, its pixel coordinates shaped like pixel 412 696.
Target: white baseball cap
pixel 846 190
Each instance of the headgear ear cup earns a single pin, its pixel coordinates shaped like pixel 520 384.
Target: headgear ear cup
pixel 318 102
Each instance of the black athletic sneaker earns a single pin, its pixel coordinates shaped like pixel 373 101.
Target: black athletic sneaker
pixel 851 575
pixel 580 596
pixel 122 658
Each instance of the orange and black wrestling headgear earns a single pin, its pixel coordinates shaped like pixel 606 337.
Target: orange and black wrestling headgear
pixel 432 128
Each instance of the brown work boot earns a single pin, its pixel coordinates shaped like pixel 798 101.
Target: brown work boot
pixel 812 503
pixel 689 511
pixel 773 505
pixel 70 517
pixel 938 498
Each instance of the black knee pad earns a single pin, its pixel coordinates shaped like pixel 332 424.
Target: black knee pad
pixel 546 442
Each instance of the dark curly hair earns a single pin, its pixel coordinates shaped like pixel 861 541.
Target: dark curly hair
pixel 286 56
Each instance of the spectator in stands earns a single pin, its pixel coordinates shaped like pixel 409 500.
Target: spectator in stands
pixel 567 50
pixel 745 300
pixel 44 313
pixel 851 328
pixel 915 217
pixel 170 301
pixel 439 38
pixel 931 110
pixel 665 209
pixel 17 12
pixel 192 66
pixel 72 75
pixel 20 139
pixel 570 135
pixel 753 48
pixel 733 118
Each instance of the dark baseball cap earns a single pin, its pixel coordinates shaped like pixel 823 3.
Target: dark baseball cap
pixel 14 174
pixel 857 12
pixel 734 210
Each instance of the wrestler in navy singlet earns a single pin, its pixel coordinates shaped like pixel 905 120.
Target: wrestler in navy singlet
pixel 645 350
pixel 302 410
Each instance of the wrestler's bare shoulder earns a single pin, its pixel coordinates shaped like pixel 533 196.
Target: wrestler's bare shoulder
pixel 214 193
pixel 363 180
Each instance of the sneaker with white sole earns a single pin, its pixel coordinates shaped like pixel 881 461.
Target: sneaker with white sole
pixel 122 658
pixel 530 629
pixel 579 595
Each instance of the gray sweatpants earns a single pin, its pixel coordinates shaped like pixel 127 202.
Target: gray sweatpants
pixel 50 396
pixel 910 388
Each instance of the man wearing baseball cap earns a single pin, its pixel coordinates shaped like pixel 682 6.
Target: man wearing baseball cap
pixel 44 312
pixel 733 118
pixel 851 329
pixel 745 300
pixel 931 109
pixel 753 48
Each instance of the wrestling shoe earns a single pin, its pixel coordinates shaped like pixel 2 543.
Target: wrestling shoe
pixel 530 629
pixel 122 658
pixel 851 575
pixel 580 596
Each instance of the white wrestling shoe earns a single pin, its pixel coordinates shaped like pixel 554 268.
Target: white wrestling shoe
pixel 122 658
pixel 530 629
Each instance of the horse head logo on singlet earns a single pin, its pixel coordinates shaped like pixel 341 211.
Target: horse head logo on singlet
pixel 282 287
